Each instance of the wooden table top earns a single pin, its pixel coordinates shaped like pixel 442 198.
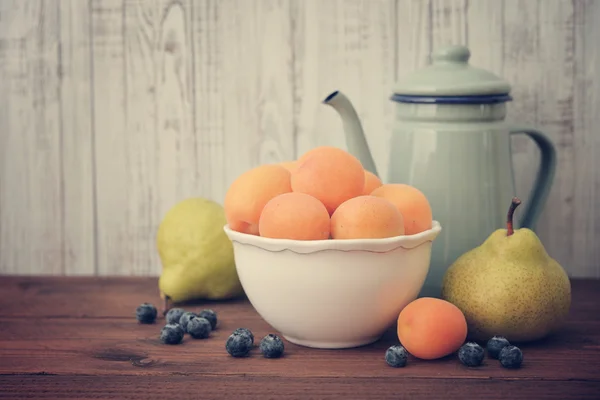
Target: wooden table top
pixel 78 338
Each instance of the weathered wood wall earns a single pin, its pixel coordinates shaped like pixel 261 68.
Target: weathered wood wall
pixel 111 111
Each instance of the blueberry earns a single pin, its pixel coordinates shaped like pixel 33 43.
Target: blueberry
pixel 185 318
pixel 244 331
pixel 146 313
pixel 511 357
pixel 271 346
pixel 495 344
pixel 199 328
pixel 171 334
pixel 396 356
pixel 174 315
pixel 211 316
pixel 238 345
pixel 471 354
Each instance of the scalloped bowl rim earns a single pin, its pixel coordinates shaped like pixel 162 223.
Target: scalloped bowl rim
pixel 312 246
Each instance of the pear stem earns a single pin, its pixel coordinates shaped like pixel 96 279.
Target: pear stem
pixel 509 217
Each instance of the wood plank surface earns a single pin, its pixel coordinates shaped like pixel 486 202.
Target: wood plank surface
pixel 254 53
pixel 77 181
pixel 263 388
pixel 143 128
pixel 586 102
pixel 345 45
pixel 31 157
pixel 555 93
pixel 111 111
pixel 448 23
pixel 520 63
pixel 63 336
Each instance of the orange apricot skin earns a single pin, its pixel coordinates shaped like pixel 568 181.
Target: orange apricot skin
pixel 411 202
pixel 244 227
pixel 289 165
pixel 431 328
pixel 366 217
pixel 296 216
pixel 330 174
pixel 249 193
pixel 372 182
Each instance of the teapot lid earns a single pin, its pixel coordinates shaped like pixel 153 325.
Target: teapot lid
pixel 450 79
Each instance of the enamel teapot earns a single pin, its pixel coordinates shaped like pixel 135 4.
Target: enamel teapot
pixel 451 141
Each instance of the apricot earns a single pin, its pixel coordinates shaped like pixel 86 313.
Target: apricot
pixel 366 217
pixel 244 227
pixel 329 174
pixel 289 165
pixel 372 182
pixel 296 216
pixel 431 328
pixel 249 192
pixel 411 202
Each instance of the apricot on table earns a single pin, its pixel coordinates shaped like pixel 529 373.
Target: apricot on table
pixel 411 202
pixel 431 328
pixel 366 217
pixel 372 182
pixel 330 174
pixel 249 192
pixel 296 216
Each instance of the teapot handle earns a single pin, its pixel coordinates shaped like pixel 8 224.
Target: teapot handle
pixel 544 178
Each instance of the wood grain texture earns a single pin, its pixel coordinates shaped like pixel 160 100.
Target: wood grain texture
pixel 78 157
pixel 519 66
pixel 244 90
pixel 544 100
pixel 586 141
pixel 448 23
pixel 70 335
pixel 112 111
pixel 347 46
pixel 144 135
pixel 413 39
pixel 485 29
pixel 260 388
pixel 555 93
pixel 31 174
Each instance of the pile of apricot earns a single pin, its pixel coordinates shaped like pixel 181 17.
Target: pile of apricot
pixel 324 194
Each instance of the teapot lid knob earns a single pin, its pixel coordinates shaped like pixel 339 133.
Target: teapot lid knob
pixel 449 78
pixel 454 54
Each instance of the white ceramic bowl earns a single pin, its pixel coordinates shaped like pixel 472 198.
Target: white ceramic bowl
pixel 332 293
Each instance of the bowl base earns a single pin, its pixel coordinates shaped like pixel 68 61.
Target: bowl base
pixel 316 344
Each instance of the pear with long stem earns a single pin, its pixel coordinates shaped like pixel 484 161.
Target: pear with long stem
pixel 509 286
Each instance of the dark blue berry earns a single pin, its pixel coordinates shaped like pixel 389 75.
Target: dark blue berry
pixel 271 346
pixel 211 316
pixel 244 331
pixel 174 315
pixel 185 318
pixel 495 344
pixel 511 357
pixel 396 356
pixel 146 313
pixel 238 345
pixel 171 334
pixel 199 328
pixel 471 354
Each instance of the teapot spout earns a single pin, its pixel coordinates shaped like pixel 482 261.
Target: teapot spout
pixel 355 137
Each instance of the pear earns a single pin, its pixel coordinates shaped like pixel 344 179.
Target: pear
pixel 196 254
pixel 509 286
